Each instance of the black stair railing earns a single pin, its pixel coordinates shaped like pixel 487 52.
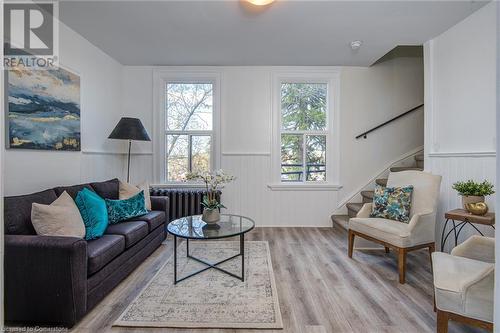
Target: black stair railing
pixel 364 134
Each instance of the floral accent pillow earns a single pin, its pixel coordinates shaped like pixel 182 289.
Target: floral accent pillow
pixel 120 210
pixel 393 203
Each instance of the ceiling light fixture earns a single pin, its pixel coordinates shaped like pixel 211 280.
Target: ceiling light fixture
pixel 260 2
pixel 356 44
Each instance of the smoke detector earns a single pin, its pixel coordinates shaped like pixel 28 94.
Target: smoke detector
pixel 356 44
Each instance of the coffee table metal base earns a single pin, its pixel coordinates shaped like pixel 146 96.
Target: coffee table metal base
pixel 211 265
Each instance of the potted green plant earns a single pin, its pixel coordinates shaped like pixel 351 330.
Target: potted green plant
pixel 214 181
pixel 473 192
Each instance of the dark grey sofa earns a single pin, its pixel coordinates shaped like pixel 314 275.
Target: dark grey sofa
pixel 57 280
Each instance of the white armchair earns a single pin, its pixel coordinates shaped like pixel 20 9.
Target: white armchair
pixel 403 237
pixel 463 283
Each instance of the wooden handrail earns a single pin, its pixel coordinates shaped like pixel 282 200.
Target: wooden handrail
pixel 364 134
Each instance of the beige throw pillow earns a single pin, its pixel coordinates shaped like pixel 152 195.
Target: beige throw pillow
pixel 127 190
pixel 60 218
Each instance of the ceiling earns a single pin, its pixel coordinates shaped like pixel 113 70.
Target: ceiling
pixel 234 33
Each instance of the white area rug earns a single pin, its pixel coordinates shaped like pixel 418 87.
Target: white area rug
pixel 211 299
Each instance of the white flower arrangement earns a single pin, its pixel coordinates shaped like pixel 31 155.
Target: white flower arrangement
pixel 214 180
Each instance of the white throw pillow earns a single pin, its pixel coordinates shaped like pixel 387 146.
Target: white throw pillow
pixel 60 218
pixel 127 190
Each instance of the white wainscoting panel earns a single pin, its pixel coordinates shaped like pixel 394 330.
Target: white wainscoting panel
pixel 250 196
pixel 457 168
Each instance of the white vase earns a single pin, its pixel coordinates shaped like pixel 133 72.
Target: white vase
pixel 210 216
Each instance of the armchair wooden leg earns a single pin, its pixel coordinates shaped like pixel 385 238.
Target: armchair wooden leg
pixel 434 300
pixel 386 249
pixel 432 248
pixel 442 322
pixel 351 243
pixel 402 265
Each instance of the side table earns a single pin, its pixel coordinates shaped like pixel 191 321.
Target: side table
pixel 464 218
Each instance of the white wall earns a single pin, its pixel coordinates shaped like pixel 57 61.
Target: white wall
pixel 460 97
pixel 368 96
pixel 101 80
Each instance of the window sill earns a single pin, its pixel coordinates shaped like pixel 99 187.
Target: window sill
pixel 178 185
pixel 303 187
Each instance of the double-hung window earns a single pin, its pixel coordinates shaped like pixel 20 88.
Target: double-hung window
pixel 303 131
pixel 305 148
pixel 189 106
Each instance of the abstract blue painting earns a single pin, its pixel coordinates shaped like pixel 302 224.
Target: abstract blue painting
pixel 43 109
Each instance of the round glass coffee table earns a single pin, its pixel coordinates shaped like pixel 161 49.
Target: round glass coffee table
pixel 192 227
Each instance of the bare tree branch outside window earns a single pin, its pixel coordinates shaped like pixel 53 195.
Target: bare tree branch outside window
pixel 189 108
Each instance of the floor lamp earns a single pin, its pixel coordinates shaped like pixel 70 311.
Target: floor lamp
pixel 129 129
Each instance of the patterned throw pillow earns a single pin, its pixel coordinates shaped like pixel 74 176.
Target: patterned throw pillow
pixel 127 190
pixel 94 214
pixel 121 210
pixel 393 203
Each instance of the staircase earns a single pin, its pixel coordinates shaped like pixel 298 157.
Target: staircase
pixel 367 196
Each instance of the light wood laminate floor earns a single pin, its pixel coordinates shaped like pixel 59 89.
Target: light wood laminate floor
pixel 320 289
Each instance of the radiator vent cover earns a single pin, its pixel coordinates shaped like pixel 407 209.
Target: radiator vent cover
pixel 182 202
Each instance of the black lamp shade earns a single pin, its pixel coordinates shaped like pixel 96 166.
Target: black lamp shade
pixel 129 129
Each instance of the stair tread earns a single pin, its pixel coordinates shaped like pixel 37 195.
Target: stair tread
pixel 342 220
pixel 381 181
pixel 353 208
pixel 398 169
pixel 368 194
pixel 356 206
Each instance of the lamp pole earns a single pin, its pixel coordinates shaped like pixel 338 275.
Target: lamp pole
pixel 129 129
pixel 128 164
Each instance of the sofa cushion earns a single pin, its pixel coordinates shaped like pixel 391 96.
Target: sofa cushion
pixel 72 190
pixel 153 219
pixel 393 203
pixel 390 231
pixel 127 190
pixel 121 210
pixel 132 231
pixel 101 251
pixel 17 211
pixel 60 218
pixel 94 213
pixel 107 189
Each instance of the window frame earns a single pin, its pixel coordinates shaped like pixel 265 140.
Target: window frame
pixel 161 79
pixel 332 79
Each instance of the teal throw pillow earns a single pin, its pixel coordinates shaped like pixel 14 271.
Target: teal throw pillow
pixel 120 210
pixel 393 203
pixel 94 213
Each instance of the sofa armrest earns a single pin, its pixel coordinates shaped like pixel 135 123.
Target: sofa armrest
pixel 45 279
pixel 478 248
pixel 160 203
pixel 423 227
pixel 457 274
